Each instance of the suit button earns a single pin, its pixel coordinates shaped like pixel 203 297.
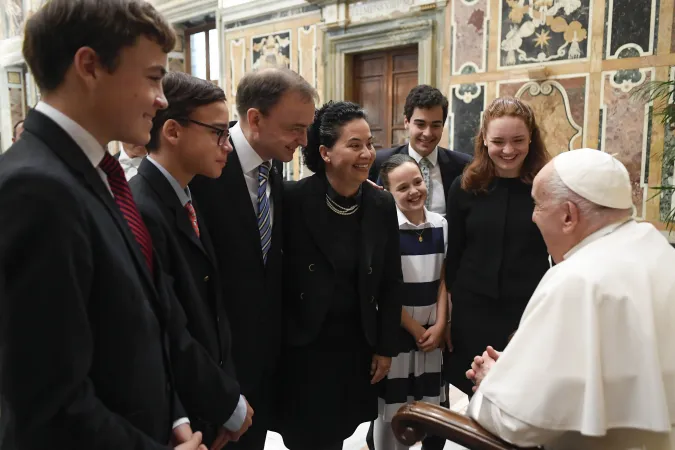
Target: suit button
pixel 217 319
pixel 206 278
pixel 370 270
pixel 311 267
pixel 302 295
pixel 372 299
pixel 221 363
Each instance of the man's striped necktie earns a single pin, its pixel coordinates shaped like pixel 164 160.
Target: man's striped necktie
pixel 264 224
pixel 125 201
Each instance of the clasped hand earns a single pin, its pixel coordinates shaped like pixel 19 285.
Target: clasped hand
pixel 481 365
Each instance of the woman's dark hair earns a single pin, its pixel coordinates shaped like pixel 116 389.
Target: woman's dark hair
pixel 393 162
pixel 326 130
pixel 481 171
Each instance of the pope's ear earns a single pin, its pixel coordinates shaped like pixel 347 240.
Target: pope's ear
pixel 571 217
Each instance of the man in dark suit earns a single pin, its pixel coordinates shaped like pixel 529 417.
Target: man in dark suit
pixel 190 137
pixel 84 322
pixel 425 112
pixel 242 210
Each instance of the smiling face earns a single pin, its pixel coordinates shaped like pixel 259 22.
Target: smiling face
pixel 406 184
pixel 284 128
pixel 507 139
pixel 353 153
pixel 426 129
pixel 130 96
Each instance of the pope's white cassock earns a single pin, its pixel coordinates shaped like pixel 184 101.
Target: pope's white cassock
pixel 592 365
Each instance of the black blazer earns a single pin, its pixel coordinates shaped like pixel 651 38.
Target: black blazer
pixel 451 163
pixel 309 274
pixel 251 289
pixel 84 346
pixel 211 391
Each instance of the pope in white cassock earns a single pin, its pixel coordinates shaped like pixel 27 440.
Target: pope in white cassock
pixel 592 365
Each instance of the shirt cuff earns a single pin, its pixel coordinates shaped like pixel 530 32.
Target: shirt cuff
pixel 237 418
pixel 180 422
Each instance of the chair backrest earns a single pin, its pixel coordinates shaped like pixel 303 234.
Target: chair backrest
pixel 414 421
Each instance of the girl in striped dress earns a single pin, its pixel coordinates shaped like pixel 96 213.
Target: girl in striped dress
pixel 415 373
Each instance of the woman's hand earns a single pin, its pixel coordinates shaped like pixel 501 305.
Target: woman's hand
pixel 432 338
pixel 417 331
pixel 379 368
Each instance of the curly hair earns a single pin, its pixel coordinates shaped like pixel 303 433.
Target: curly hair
pixel 481 171
pixel 326 130
pixel 424 97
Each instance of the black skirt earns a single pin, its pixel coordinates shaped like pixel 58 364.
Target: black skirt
pixel 478 321
pixel 326 387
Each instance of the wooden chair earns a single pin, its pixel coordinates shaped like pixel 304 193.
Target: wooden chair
pixel 414 421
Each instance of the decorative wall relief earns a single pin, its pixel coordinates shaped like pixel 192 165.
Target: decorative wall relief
pixel 11 18
pixel 271 50
pixel 467 105
pixel 630 28
pixel 626 130
pixel 237 68
pixel 176 64
pixel 559 106
pixel 469 35
pixel 307 54
pixel 543 31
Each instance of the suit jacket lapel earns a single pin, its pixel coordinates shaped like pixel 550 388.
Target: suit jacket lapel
pixel 166 193
pixel 449 169
pixel 316 214
pixel 237 189
pixel 75 158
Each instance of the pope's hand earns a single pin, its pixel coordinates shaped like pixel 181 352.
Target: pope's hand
pixel 481 365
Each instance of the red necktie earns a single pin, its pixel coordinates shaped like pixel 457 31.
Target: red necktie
pixel 125 201
pixel 193 217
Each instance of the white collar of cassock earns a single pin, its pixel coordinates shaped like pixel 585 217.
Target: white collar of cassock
pixel 595 236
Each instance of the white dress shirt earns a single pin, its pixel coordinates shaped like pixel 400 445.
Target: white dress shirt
pixel 87 143
pixel 437 200
pixel 238 416
pixel 250 161
pixel 129 164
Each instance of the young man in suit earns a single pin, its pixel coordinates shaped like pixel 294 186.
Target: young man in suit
pixel 425 111
pixel 242 211
pixel 190 138
pixel 85 324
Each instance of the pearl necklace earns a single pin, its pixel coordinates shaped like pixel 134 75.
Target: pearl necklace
pixel 341 210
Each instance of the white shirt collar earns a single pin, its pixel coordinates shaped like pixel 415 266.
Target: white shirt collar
pixel 404 222
pixel 433 156
pixel 126 159
pixel 595 236
pixel 248 158
pixel 88 143
pixel 183 194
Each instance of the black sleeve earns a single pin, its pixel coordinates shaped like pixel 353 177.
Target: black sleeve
pixel 204 389
pixel 456 218
pixel 47 342
pixel 389 303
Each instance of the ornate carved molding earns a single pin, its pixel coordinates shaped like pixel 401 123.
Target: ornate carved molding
pixel 238 10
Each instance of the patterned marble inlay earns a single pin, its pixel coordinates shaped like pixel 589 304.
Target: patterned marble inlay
pixel 625 130
pixel 469 35
pixel 560 109
pixel 630 28
pixel 543 31
pixel 467 105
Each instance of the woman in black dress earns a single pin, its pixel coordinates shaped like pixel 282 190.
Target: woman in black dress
pixel 342 277
pixel 496 255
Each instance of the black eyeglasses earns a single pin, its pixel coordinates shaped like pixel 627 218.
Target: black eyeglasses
pixel 223 134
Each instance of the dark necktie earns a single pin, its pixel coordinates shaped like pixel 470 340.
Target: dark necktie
pixel 125 201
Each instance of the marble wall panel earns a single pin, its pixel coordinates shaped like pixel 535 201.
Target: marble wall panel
pixel 307 54
pixel 271 50
pixel 467 104
pixel 469 36
pixel 543 31
pixel 16 104
pixel 559 106
pixel 630 29
pixel 626 127
pixel 237 68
